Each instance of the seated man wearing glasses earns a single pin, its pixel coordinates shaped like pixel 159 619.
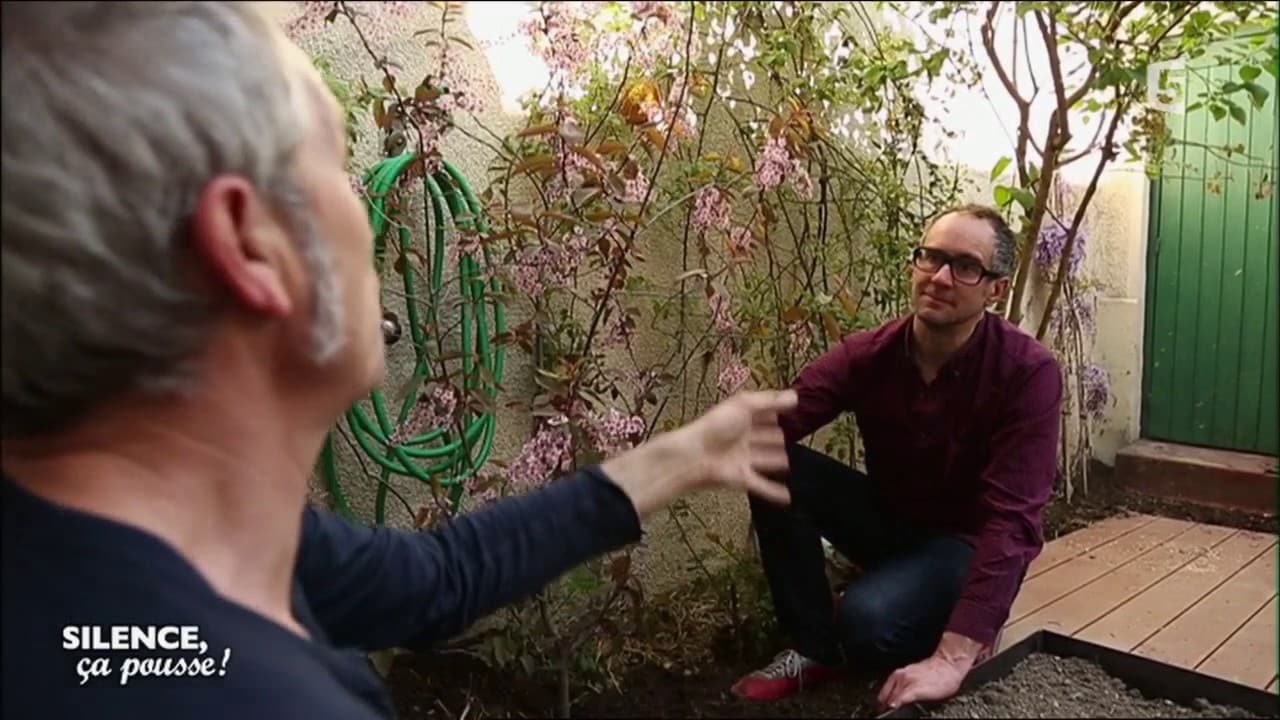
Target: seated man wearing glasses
pixel 958 413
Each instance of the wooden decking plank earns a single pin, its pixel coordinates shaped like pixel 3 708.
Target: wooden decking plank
pixel 1065 578
pixel 1142 616
pixel 1249 656
pixel 1087 603
pixel 1193 635
pixel 1081 541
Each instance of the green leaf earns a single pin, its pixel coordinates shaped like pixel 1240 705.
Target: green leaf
pixel 1218 111
pixel 934 62
pixel 1001 164
pixel 1258 93
pixel 1238 114
pixel 1249 73
pixel 1024 198
pixel 1003 196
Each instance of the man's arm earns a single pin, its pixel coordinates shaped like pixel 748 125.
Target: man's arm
pixel 375 588
pixel 1016 485
pixel 824 390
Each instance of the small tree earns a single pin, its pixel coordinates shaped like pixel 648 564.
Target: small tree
pixel 1099 56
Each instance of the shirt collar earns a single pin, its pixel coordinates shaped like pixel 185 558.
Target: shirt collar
pixel 961 356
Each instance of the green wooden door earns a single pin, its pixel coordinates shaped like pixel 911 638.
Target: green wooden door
pixel 1212 308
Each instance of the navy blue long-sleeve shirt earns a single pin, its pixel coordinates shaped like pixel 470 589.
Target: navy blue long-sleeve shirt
pixel 355 589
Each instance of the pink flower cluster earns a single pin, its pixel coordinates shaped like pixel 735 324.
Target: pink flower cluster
pixel 433 123
pixel 711 209
pixel 546 454
pixel 680 100
pixel 773 165
pixel 559 34
pixel 467 244
pixel 741 242
pixel 539 268
pixel 618 331
pixel 310 20
pixel 655 36
pixel 776 165
pixel 636 188
pixel 733 374
pixel 571 171
pixel 613 432
pixel 799 338
pixel 721 312
pixel 461 94
pixel 547 266
pixel 357 184
pixel 433 410
pixel 380 21
pixel 491 491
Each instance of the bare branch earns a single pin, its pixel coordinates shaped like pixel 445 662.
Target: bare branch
pixel 1108 154
pixel 988 42
pixel 1090 147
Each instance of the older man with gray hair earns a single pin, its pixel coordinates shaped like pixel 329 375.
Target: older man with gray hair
pixel 189 304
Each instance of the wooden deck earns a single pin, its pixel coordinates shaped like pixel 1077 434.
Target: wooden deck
pixel 1198 596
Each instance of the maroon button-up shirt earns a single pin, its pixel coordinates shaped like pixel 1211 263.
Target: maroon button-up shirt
pixel 974 453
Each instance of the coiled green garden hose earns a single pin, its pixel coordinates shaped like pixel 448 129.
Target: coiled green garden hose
pixel 436 456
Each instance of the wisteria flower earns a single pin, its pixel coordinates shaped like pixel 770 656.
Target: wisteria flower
pixel 1097 390
pixel 1052 241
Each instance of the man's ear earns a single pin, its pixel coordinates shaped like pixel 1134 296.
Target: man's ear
pixel 998 288
pixel 234 237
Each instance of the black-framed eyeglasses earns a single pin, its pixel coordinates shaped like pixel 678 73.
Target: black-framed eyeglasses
pixel 964 269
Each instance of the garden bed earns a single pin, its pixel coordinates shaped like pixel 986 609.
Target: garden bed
pixel 1051 676
pixel 688 672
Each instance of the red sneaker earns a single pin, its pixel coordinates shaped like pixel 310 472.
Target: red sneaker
pixel 789 673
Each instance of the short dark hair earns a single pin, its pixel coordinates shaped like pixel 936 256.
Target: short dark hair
pixel 1006 250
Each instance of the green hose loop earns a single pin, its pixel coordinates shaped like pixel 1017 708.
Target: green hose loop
pixel 435 457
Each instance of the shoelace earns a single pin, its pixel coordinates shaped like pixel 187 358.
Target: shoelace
pixel 787 663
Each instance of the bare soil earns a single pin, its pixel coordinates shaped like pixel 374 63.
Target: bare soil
pixel 1046 686
pixel 1107 498
pixel 685 665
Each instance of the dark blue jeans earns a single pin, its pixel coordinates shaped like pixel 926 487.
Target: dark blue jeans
pixel 895 612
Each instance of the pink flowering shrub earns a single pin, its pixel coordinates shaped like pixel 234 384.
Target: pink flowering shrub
pixel 688 174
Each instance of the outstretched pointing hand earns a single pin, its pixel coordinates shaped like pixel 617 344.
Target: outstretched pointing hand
pixel 733 446
pixel 739 441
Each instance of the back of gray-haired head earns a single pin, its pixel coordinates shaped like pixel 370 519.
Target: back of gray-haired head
pixel 116 115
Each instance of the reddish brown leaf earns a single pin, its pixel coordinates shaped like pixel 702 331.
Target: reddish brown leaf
pixel 620 568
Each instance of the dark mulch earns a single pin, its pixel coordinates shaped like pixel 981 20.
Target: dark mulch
pixel 442 686
pixel 1107 498
pixel 688 672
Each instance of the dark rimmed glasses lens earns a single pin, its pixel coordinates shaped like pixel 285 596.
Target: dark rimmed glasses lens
pixel 965 270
